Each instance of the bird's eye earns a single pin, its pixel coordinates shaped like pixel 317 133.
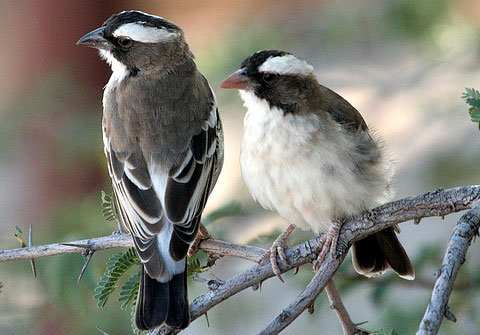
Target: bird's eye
pixel 124 42
pixel 269 77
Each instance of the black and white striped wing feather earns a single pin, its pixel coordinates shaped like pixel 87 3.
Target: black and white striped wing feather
pixel 149 200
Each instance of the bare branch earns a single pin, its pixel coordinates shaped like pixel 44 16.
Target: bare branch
pixel 253 254
pixel 457 247
pixel 336 303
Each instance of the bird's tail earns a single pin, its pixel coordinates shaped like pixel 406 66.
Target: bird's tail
pixel 381 251
pixel 162 303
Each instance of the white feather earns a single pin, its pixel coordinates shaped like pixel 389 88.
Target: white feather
pixel 140 32
pixel 292 167
pixel 287 64
pixel 171 267
pixel 119 71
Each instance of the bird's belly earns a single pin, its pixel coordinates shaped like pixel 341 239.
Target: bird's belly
pixel 308 187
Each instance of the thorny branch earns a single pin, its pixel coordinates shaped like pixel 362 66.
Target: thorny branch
pixel 438 203
pixel 465 230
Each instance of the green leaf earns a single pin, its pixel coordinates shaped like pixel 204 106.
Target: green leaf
pixel 117 265
pixel 129 292
pixel 108 204
pixel 18 231
pixel 472 98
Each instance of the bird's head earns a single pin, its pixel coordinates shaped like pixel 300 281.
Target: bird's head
pixel 136 41
pixel 276 76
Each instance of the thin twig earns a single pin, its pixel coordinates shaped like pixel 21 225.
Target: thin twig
pixel 465 230
pixel 309 294
pixel 336 303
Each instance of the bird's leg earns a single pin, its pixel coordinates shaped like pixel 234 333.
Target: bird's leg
pixel 328 243
pixel 278 248
pixel 202 234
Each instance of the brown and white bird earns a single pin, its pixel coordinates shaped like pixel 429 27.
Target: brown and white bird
pixel 308 154
pixel 164 146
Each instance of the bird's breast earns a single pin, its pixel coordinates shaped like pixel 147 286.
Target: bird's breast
pixel 307 175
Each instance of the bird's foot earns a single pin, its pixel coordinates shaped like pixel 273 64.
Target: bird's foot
pixel 328 243
pixel 202 234
pixel 278 248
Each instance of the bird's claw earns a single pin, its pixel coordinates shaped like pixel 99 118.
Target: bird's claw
pixel 202 234
pixel 328 243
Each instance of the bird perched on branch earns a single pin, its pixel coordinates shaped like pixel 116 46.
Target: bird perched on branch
pixel 308 154
pixel 164 146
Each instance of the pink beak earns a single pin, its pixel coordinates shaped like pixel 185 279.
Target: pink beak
pixel 237 80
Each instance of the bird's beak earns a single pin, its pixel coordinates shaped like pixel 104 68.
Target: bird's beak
pixel 237 80
pixel 94 39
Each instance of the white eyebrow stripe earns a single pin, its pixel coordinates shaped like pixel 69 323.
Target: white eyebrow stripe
pixel 146 14
pixel 287 64
pixel 137 31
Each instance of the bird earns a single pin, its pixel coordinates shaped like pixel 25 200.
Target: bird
pixel 163 141
pixel 308 154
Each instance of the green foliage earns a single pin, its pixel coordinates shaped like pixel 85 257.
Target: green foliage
pixel 108 206
pixel 129 291
pixel 117 265
pixel 194 266
pixel 18 236
pixel 472 98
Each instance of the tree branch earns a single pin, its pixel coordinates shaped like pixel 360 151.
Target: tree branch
pixel 465 230
pixel 336 303
pixel 438 203
pixel 98 243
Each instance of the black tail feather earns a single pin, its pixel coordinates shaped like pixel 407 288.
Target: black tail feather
pixel 381 251
pixel 162 303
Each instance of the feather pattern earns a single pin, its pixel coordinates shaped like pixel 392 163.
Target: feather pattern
pixel 148 208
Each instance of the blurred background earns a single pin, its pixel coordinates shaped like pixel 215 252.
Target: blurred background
pixel 402 63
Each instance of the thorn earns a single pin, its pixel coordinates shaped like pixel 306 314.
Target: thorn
pixel 30 243
pixel 311 308
pixel 87 245
pixel 437 273
pixel 101 330
pixel 417 221
pixel 296 270
pixel 88 254
pixel 30 236
pixel 206 318
pixel 449 315
pixel 257 286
